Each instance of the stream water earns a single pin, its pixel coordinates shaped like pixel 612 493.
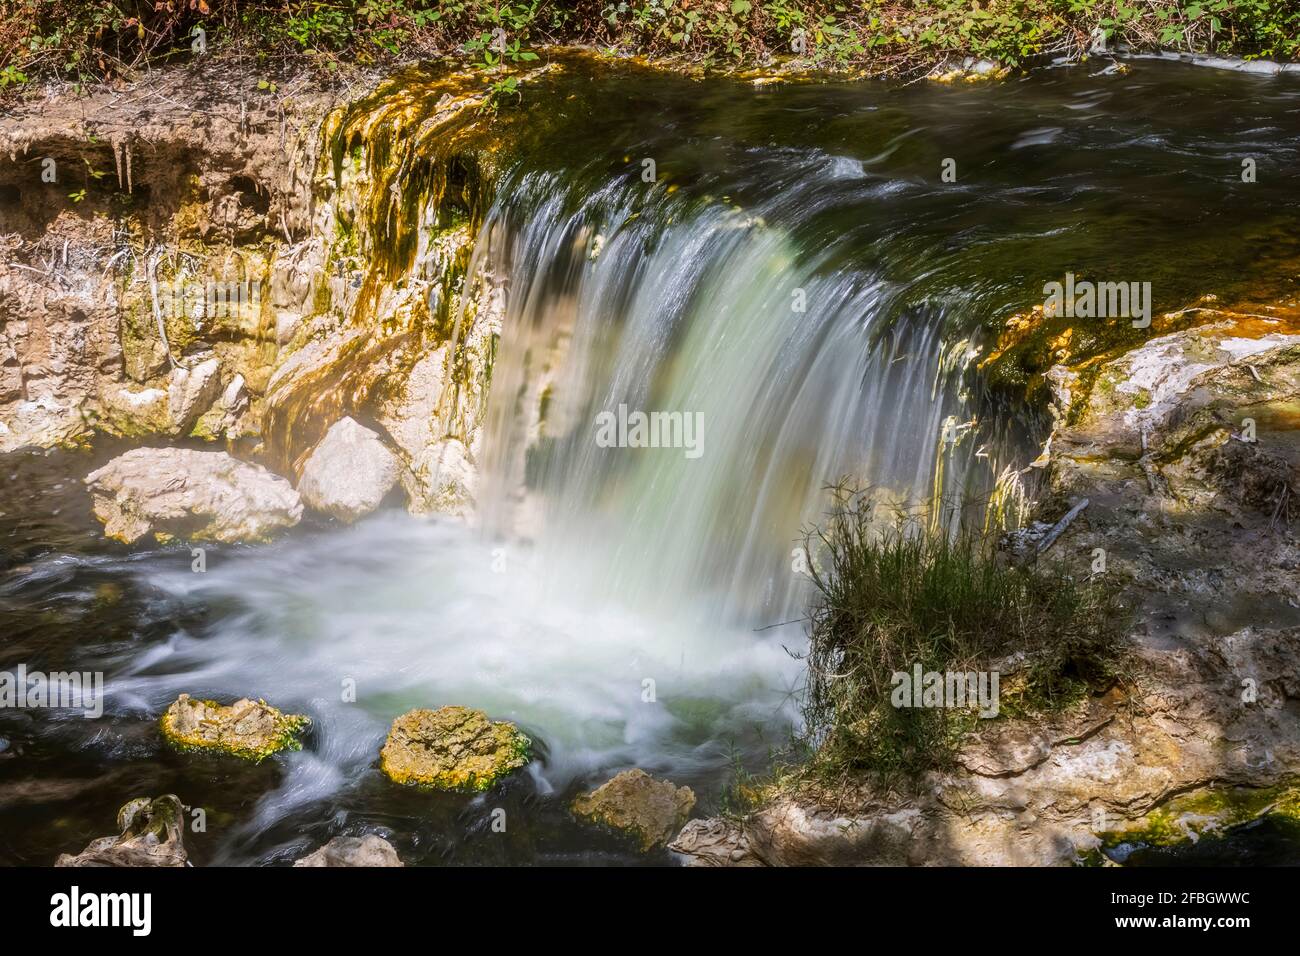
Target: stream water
pixel 616 568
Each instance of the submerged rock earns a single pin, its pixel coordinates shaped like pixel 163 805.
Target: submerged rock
pixel 452 748
pixel 1203 418
pixel 369 850
pixel 349 472
pixel 150 835
pixel 652 810
pixel 251 730
pixel 179 492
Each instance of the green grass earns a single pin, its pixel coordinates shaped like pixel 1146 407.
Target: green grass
pixel 893 595
pixel 89 40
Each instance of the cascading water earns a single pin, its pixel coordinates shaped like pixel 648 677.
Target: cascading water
pixel 615 602
pixel 796 376
pixel 626 606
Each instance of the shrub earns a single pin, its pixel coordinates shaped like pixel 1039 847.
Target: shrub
pixel 92 39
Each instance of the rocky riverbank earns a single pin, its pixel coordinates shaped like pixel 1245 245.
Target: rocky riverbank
pixel 196 259
pixel 1187 453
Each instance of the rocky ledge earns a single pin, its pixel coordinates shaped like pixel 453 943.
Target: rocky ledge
pixel 1188 450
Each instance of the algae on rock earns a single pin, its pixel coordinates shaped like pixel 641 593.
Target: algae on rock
pixel 250 730
pixel 452 748
pixel 651 810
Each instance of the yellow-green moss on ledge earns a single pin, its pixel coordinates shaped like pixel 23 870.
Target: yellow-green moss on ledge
pixel 250 730
pixel 452 748
pixel 1187 818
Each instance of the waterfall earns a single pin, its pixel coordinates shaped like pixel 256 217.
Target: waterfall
pixel 798 373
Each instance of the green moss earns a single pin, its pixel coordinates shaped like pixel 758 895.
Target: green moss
pixel 1211 809
pixel 452 748
pixel 218 736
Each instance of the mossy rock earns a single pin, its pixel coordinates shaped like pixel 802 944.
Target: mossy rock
pixel 452 748
pixel 250 730
pixel 651 810
pixel 1188 817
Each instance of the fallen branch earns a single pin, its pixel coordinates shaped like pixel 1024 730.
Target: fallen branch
pixel 1049 539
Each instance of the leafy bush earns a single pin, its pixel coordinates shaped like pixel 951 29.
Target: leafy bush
pixel 94 39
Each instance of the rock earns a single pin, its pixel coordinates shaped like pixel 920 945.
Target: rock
pixel 128 411
pixel 227 416
pixel 652 810
pixel 445 479
pixel 440 475
pixel 234 400
pixel 250 730
pixel 42 423
pixel 199 495
pixel 150 835
pixel 55 338
pixel 714 842
pixel 190 392
pixel 349 472
pixel 369 850
pixel 452 748
pixel 287 325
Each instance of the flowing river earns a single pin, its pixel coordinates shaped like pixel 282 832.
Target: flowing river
pixel 800 277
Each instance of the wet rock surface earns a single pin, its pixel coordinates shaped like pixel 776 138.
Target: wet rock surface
pixel 369 850
pixel 651 810
pixel 251 730
pixel 452 748
pixel 187 494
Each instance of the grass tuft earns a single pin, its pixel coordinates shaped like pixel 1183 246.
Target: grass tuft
pixel 896 593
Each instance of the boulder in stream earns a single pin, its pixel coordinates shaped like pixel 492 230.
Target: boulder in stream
pixel 369 850
pixel 251 730
pixel 184 493
pixel 452 748
pixel 651 810
pixel 348 474
pixel 150 835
